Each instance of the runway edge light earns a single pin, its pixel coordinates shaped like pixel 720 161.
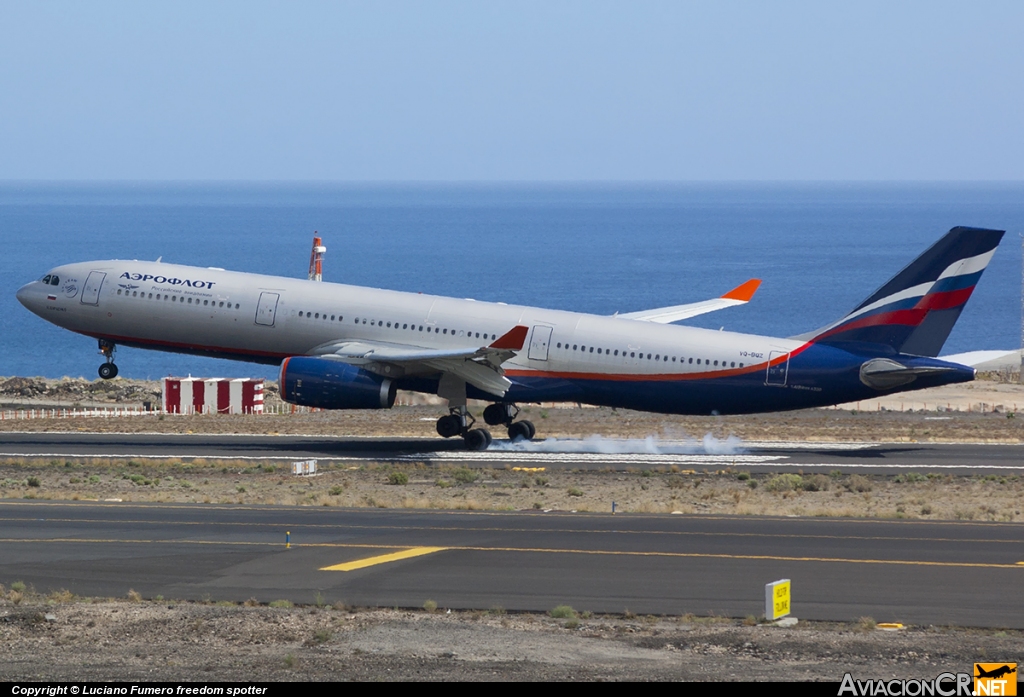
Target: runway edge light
pixel 777 599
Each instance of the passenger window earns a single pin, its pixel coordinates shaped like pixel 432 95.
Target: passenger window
pixel 118 291
pixel 135 293
pixel 632 354
pixel 657 357
pixel 591 349
pixel 733 364
pixel 574 347
pixel 206 302
pixel 237 306
pixel 698 361
pixel 716 362
pixel 691 361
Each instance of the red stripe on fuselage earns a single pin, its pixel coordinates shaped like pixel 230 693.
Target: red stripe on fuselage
pixel 658 377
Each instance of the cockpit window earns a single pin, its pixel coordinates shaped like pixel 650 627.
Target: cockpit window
pixel 55 280
pixel 46 278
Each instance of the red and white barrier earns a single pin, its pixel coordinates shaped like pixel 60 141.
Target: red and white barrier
pixel 213 396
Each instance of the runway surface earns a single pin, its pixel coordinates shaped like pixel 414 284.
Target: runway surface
pixel 913 572
pixel 597 454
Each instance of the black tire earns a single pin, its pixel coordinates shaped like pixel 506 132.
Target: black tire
pixel 108 371
pixel 449 426
pixel 533 429
pixel 494 414
pixel 477 439
pixel 490 439
pixel 519 429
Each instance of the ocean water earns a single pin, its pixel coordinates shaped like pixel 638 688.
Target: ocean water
pixel 819 248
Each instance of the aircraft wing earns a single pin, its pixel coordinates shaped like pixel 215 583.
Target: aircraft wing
pixel 664 315
pixel 480 367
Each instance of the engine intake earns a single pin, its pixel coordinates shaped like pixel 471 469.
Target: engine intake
pixel 330 384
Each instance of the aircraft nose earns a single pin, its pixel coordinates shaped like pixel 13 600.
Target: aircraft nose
pixel 24 295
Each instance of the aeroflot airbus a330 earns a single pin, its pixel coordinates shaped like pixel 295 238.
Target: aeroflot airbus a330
pixel 346 347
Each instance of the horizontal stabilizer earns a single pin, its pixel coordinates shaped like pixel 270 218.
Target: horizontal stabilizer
pixel 739 295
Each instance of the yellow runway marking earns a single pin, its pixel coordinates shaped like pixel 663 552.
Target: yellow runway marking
pixel 383 559
pixel 538 550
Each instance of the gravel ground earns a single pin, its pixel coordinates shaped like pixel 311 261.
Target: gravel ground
pixel 89 639
pixel 172 641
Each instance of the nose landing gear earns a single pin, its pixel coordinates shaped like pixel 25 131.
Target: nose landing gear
pixel 107 370
pixel 504 414
pixel 459 422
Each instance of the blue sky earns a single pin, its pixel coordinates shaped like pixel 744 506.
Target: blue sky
pixel 492 91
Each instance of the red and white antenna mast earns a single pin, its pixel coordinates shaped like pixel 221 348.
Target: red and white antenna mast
pixel 316 259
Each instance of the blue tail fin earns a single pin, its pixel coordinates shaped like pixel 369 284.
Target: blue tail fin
pixel 915 311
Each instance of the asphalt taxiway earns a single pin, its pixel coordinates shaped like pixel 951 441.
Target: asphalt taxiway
pixel 915 572
pixel 593 454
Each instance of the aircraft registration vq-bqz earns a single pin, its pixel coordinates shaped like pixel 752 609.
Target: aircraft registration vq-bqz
pixel 347 347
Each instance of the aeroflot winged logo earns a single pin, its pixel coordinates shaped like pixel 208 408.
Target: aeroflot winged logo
pixel 168 281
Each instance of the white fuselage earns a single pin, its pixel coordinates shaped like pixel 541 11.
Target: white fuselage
pixel 267 318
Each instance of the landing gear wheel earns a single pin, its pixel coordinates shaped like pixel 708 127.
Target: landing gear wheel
pixel 108 371
pixel 477 439
pixel 494 414
pixel 533 429
pixel 449 426
pixel 521 429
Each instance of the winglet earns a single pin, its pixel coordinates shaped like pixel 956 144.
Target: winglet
pixel 513 339
pixel 743 292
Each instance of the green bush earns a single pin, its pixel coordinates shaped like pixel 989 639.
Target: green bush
pixel 784 482
pixel 398 478
pixel 563 612
pixel 464 475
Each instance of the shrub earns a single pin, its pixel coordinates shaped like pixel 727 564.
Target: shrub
pixel 398 478
pixel 815 482
pixel 464 475
pixel 430 606
pixel 743 476
pixel 33 481
pixel 858 483
pixel 573 491
pixel 281 603
pixel 784 482
pixel 563 612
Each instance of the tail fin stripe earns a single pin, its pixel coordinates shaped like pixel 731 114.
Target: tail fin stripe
pixel 940 281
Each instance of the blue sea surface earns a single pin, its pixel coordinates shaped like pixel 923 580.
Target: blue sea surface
pixel 819 248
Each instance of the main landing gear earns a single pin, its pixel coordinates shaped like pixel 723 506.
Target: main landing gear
pixel 107 370
pixel 503 414
pixel 459 422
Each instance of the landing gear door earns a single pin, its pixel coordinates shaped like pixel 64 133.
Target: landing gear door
pixel 91 291
pixel 778 368
pixel 266 311
pixel 539 343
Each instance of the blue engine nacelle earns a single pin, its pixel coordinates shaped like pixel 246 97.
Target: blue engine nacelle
pixel 330 384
